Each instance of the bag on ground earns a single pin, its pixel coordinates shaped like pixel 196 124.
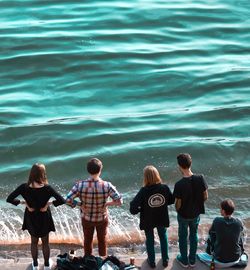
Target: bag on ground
pixel 78 263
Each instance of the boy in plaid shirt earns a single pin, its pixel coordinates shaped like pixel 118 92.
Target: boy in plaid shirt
pixel 93 194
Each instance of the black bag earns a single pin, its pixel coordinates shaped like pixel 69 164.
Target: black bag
pixel 122 266
pixel 64 263
pixel 92 263
pixel 78 263
pixel 115 261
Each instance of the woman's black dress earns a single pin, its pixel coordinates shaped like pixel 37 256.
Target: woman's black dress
pixel 38 223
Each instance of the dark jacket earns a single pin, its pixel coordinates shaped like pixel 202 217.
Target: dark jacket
pixel 227 239
pixel 152 204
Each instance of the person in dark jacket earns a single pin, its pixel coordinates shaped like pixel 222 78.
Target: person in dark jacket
pixel 226 237
pixel 226 234
pixel 152 202
pixel 37 216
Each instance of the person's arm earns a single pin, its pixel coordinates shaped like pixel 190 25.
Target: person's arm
pixel 115 196
pixel 177 195
pixel 242 235
pixel 74 192
pixel 210 241
pixel 212 233
pixel 205 195
pixel 12 197
pixel 171 198
pixel 59 200
pixel 116 203
pixel 135 204
pixel 205 188
pixel 45 208
pixel 177 204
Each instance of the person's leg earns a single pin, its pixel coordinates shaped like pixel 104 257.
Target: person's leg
pixel 101 230
pixel 46 249
pixel 88 232
pixel 150 245
pixel 34 249
pixel 193 238
pixel 162 232
pixel 183 233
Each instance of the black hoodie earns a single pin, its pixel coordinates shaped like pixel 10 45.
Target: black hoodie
pixel 152 204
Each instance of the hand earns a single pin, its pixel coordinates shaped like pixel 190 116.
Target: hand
pixel 30 209
pixel 45 208
pixel 73 203
pixel 111 203
pixel 106 205
pixel 69 203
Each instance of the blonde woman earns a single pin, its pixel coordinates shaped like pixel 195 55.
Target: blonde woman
pixel 152 203
pixel 37 216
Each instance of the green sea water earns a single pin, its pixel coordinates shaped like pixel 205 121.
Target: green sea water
pixel 132 83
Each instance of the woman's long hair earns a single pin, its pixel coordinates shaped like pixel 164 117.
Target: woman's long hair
pixel 38 175
pixel 151 176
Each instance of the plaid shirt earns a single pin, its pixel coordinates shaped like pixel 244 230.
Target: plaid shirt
pixel 93 195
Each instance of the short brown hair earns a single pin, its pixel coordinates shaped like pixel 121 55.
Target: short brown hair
pixel 94 166
pixel 151 176
pixel 184 160
pixel 228 206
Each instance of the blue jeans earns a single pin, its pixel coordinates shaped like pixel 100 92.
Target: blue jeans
pixel 163 235
pixel 184 224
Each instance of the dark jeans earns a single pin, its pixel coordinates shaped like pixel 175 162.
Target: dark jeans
pixel 184 225
pixel 162 232
pixel 88 231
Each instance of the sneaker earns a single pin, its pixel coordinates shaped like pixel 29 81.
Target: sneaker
pixel 50 265
pixel 34 267
pixel 165 264
pixel 151 264
pixel 180 261
pixel 192 265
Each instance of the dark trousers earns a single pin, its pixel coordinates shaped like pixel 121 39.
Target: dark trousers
pixel 163 236
pixel 186 225
pixel 88 232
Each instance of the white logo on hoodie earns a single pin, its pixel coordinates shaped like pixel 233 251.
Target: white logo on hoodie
pixel 156 200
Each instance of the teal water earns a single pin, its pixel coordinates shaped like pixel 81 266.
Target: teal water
pixel 131 82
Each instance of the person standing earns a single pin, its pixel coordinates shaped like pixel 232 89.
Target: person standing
pixel 93 193
pixel 190 193
pixel 37 216
pixel 152 202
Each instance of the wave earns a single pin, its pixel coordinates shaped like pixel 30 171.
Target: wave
pixel 123 228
